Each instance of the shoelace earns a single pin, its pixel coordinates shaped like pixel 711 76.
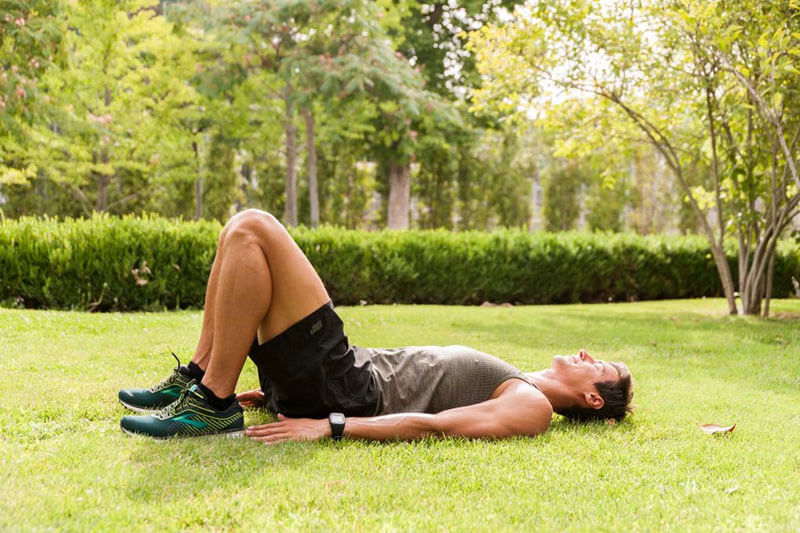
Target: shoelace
pixel 172 377
pixel 170 410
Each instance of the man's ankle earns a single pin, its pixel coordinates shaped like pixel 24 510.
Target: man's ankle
pixel 220 404
pixel 193 371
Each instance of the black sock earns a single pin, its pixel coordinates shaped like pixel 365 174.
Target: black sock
pixel 220 404
pixel 194 371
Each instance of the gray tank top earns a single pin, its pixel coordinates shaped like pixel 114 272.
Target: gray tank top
pixel 430 379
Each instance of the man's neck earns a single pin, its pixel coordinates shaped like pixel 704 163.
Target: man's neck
pixel 553 390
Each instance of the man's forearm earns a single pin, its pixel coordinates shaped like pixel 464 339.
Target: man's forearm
pixel 402 426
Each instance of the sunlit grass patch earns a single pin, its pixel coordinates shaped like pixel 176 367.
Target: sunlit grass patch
pixel 65 463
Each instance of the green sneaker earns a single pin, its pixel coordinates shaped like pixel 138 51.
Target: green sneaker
pixel 158 396
pixel 190 416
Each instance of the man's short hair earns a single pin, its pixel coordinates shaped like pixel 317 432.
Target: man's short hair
pixel 617 396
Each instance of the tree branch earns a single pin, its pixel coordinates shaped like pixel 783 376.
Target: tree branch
pixel 124 200
pixel 771 117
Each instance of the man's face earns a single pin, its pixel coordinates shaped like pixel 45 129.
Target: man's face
pixel 580 372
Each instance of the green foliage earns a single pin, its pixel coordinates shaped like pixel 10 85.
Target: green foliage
pixel 433 33
pixel 130 263
pixel 30 39
pixel 31 35
pixel 120 124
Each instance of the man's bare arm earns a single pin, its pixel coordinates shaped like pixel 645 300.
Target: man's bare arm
pixel 518 410
pixel 251 399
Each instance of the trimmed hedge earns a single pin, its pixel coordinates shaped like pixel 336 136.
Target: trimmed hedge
pixel 89 263
pixel 150 263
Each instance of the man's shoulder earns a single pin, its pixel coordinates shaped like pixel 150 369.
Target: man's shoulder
pixel 525 406
pixel 524 392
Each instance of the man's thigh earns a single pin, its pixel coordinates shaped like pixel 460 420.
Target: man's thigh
pixel 297 290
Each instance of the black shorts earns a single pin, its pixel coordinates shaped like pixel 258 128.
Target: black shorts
pixel 309 370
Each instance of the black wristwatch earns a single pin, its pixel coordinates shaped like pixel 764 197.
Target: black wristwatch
pixel 337 425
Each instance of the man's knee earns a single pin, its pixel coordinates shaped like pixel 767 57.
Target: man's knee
pixel 251 215
pixel 250 225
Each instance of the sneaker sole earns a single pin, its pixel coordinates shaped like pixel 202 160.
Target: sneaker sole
pixel 232 434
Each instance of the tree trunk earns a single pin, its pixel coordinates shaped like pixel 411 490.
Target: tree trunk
pixel 582 223
pixel 758 280
pixel 290 213
pixel 247 174
pixel 198 185
pixel 399 196
pixel 198 198
pixel 751 304
pixel 725 276
pixel 749 282
pixel 768 290
pixel 535 220
pixel 103 179
pixel 313 195
pixel 102 189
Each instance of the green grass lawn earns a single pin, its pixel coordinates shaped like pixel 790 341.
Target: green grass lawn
pixel 65 464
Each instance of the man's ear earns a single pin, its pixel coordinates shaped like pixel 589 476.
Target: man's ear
pixel 594 400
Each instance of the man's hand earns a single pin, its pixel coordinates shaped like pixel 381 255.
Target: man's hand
pixel 251 399
pixel 286 429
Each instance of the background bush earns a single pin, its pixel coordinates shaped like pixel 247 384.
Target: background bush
pixel 151 263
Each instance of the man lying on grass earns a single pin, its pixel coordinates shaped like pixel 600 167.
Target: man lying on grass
pixel 262 284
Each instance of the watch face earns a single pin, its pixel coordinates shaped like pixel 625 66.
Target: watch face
pixel 337 418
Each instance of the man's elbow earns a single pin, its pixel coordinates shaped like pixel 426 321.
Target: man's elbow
pixel 538 419
pixel 539 427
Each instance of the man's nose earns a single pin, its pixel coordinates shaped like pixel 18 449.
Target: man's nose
pixel 584 355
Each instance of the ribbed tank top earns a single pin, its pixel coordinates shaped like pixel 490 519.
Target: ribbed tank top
pixel 430 379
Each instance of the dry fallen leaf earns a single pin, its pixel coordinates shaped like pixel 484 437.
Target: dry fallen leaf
pixel 714 428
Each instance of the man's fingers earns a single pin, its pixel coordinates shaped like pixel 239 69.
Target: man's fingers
pixel 269 438
pixel 260 430
pixel 265 429
pixel 272 439
pixel 250 396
